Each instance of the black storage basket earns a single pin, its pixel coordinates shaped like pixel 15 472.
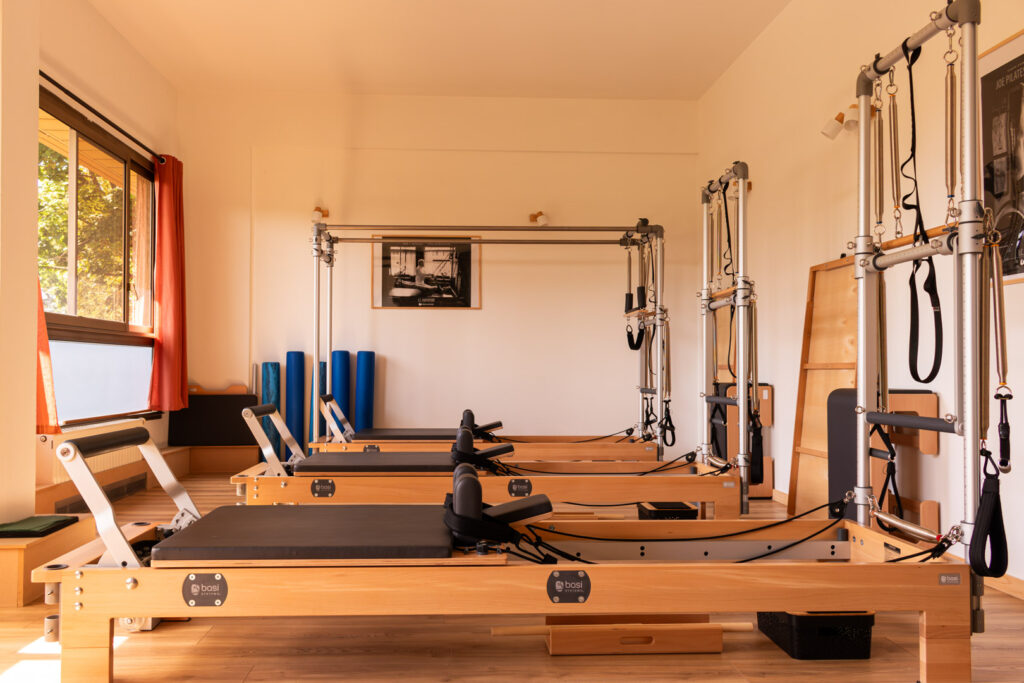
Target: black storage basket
pixel 825 635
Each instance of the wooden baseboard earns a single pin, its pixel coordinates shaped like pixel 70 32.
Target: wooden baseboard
pixel 780 496
pixel 1010 585
pixel 222 459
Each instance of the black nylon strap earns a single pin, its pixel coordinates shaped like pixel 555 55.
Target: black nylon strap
pixel 635 343
pixel 667 427
pixel 911 201
pixel 1004 432
pixel 756 449
pixel 890 478
pixel 989 532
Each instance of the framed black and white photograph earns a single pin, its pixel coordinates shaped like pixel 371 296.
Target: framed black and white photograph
pixel 410 273
pixel 1002 132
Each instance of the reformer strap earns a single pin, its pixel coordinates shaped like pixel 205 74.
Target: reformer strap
pixel 667 427
pixel 912 201
pixel 989 532
pixel 1004 431
pixel 756 449
pixel 638 341
pixel 890 477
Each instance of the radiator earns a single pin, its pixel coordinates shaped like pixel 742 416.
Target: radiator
pixel 47 445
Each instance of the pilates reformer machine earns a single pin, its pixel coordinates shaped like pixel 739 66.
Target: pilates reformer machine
pixel 367 477
pixel 342 438
pixel 654 420
pixel 727 285
pixel 464 557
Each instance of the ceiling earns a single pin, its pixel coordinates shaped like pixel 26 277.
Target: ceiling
pixel 641 49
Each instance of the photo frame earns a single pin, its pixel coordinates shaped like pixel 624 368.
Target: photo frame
pixel 423 273
pixel 1002 138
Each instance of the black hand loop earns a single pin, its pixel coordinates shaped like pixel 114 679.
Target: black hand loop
pixel 638 342
pixel 988 551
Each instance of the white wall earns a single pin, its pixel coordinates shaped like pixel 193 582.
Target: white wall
pixel 18 161
pixel 546 353
pixel 767 109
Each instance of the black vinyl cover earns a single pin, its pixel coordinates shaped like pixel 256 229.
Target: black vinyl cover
pixel 440 461
pixel 405 434
pixel 211 420
pixel 311 532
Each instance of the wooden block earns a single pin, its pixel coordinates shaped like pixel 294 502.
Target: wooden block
pixel 633 639
pixel 19 556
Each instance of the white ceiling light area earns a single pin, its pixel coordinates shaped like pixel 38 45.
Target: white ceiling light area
pixel 635 49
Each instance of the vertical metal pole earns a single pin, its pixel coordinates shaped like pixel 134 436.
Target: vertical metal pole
pixel 330 322
pixel 742 341
pixel 971 238
pixel 867 313
pixel 315 383
pixel 660 348
pixel 707 320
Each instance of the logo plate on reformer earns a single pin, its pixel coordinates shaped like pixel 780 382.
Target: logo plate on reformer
pixel 568 586
pixel 520 488
pixel 322 488
pixel 949 579
pixel 204 590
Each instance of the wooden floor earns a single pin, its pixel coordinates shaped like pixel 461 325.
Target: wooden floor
pixel 461 648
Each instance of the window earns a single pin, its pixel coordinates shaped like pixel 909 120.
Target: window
pixel 95 231
pixel 95 257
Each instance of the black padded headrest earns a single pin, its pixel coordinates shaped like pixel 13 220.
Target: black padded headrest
pixel 472 520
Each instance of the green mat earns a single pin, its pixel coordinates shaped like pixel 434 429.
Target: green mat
pixel 39 525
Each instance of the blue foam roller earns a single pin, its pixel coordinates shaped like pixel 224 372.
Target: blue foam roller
pixel 270 392
pixel 314 401
pixel 364 390
pixel 295 392
pixel 341 381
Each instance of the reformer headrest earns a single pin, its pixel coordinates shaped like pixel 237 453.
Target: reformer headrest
pixel 468 419
pixel 470 520
pixel 463 450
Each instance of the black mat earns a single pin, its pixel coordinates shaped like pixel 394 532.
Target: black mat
pixel 406 434
pixel 311 532
pixel 376 462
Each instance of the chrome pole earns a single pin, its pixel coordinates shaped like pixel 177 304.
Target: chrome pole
pixel 707 318
pixel 971 241
pixel 314 384
pixel 742 339
pixel 867 304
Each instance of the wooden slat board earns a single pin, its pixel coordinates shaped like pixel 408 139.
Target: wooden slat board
pixel 828 361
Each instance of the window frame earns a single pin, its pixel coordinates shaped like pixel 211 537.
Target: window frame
pixel 74 328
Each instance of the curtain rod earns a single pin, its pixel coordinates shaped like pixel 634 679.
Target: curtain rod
pixel 98 114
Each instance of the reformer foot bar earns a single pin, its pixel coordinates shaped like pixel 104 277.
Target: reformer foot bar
pixel 967 240
pixel 740 296
pixel 323 251
pixel 344 439
pixel 377 560
pixel 421 478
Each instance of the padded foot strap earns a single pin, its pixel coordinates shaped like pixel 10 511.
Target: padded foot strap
pixel 989 533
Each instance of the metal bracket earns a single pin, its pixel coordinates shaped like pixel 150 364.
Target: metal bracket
pixel 337 423
pixel 73 453
pixel 252 419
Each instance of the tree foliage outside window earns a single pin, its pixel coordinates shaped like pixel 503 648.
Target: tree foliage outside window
pixel 53 228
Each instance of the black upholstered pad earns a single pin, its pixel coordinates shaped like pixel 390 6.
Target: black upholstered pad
pixel 406 434
pixel 311 532
pixel 329 462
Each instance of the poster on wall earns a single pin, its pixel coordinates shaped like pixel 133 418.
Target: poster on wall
pixel 1002 132
pixel 412 273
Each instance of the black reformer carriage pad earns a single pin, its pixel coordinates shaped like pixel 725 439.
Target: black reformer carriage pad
pixel 311 532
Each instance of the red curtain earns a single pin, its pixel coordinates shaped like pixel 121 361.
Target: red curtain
pixel 168 388
pixel 46 400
